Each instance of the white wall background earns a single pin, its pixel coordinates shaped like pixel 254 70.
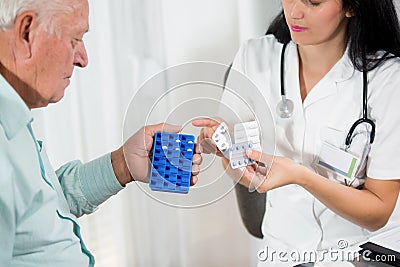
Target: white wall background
pixel 129 41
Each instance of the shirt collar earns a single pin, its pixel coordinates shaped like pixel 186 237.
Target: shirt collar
pixel 343 69
pixel 14 114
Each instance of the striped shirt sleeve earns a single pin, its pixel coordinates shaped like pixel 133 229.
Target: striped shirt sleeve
pixel 86 186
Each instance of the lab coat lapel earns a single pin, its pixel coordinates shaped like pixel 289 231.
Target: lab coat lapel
pixel 328 85
pixel 324 88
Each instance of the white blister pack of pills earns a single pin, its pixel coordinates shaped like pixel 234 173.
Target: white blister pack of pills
pixel 246 135
pixel 248 132
pixel 237 155
pixel 222 139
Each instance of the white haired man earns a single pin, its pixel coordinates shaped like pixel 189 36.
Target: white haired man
pixel 40 44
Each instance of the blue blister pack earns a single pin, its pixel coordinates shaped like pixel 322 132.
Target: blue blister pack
pixel 171 168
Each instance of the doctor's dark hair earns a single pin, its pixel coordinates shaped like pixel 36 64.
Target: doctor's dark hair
pixel 374 26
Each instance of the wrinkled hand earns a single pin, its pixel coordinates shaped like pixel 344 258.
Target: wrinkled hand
pixel 137 152
pixel 204 140
pixel 273 172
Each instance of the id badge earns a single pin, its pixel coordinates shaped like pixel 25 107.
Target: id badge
pixel 343 165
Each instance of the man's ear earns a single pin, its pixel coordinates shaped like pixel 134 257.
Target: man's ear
pixel 23 27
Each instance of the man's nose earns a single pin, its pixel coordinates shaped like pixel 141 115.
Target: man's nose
pixel 81 58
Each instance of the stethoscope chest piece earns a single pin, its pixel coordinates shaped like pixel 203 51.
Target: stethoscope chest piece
pixel 285 108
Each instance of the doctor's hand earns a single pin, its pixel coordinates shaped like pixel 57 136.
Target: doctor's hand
pixel 132 161
pixel 273 172
pixel 237 175
pixel 207 145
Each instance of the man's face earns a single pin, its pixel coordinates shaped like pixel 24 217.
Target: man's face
pixel 54 56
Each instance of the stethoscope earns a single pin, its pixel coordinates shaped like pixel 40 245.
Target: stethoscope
pixel 285 107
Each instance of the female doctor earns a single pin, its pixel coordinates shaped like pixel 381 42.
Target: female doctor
pixel 331 44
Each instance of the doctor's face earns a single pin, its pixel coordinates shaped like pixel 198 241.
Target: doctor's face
pixel 313 22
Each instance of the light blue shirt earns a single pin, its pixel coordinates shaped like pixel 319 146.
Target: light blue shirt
pixel 38 206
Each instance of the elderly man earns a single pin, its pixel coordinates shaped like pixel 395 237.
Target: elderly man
pixel 40 44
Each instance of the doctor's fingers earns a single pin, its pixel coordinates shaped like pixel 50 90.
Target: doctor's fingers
pixel 234 174
pixel 207 146
pixel 205 143
pixel 258 156
pixel 207 122
pixel 206 133
pixel 255 179
pixel 263 170
pixel 263 183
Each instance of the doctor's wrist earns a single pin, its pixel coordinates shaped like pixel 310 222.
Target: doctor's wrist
pixel 305 177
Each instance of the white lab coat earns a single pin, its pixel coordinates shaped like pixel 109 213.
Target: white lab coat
pixel 294 219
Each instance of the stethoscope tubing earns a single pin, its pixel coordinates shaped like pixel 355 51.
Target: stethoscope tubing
pixel 285 110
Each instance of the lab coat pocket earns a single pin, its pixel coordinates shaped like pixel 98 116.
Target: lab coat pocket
pixel 334 137
pixel 353 175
